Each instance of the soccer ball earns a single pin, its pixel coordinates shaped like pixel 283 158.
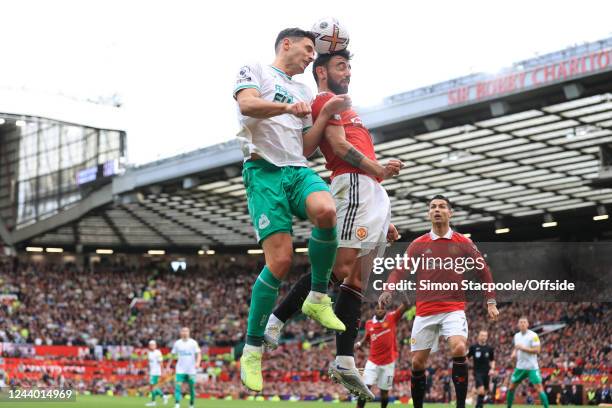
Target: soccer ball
pixel 330 36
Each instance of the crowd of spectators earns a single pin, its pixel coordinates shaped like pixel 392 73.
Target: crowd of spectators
pixel 122 303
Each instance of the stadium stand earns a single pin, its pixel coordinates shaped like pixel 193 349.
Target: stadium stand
pixel 57 304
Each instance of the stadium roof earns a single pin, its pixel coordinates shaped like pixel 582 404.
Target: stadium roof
pixel 503 148
pixel 20 104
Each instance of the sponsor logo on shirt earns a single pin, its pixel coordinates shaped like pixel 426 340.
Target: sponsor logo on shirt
pixel 282 95
pixel 376 336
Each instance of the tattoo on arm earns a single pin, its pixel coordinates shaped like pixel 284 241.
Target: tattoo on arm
pixel 353 157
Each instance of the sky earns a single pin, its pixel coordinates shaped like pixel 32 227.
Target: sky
pixel 173 63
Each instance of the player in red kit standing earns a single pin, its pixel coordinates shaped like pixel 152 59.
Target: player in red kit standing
pixel 363 213
pixel 441 313
pixel 381 333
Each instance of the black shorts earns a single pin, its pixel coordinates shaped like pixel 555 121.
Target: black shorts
pixel 482 379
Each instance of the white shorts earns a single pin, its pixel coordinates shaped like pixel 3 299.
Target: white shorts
pixel 381 375
pixel 363 209
pixel 426 330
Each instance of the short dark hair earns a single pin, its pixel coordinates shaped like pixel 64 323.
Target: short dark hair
pixel 441 197
pixel 323 60
pixel 293 32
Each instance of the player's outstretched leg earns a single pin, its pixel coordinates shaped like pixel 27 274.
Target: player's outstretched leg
pixel 348 309
pixel 351 379
pixel 265 291
pixel 343 369
pixel 278 250
pixel 322 246
pixel 322 253
pixel 288 307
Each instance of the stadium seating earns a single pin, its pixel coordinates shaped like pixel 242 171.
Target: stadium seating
pixel 114 309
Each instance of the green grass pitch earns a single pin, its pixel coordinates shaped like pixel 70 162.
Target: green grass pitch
pixel 133 402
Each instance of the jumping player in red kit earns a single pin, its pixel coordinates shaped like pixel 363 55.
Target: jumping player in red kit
pixel 363 209
pixel 441 312
pixel 381 333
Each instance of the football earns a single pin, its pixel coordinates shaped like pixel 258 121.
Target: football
pixel 330 36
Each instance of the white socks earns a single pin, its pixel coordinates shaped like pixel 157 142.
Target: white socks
pixel 315 297
pixel 274 321
pixel 346 361
pixel 249 348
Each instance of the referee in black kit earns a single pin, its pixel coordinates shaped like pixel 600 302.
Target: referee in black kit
pixel 484 364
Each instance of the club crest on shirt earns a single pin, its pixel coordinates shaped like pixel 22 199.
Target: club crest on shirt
pixel 361 233
pixel 263 222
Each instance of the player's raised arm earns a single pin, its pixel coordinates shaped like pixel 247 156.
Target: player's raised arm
pixel 346 151
pixel 402 309
pixel 252 105
pixel 314 134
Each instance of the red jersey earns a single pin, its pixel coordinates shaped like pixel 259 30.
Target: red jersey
pixel 383 338
pixel 356 134
pixel 439 264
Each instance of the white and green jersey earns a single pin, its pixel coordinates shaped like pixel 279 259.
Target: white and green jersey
pixel 524 360
pixel 278 139
pixel 155 361
pixel 186 350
